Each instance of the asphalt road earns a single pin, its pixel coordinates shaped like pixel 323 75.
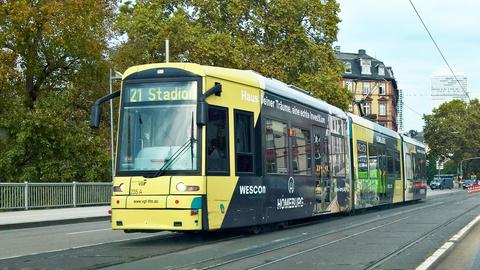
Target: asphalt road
pixel 394 238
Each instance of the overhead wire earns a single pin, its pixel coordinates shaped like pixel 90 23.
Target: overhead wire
pixel 440 51
pixel 412 109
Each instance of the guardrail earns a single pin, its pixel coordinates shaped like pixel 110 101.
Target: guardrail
pixel 48 195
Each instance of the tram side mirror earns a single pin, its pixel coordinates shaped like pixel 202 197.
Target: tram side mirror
pixel 95 116
pixel 202 113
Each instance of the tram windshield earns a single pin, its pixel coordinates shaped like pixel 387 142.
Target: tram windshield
pixel 157 126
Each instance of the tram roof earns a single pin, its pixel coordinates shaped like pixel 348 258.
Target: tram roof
pixel 247 77
pixel 412 141
pixel 282 89
pixel 373 126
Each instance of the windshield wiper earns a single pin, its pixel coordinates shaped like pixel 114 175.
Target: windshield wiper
pixel 169 162
pixel 173 158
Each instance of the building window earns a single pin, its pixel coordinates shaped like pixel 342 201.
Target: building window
pixel 381 89
pixel 244 142
pixel 276 144
pixel 366 108
pixel 382 109
pixel 348 85
pixel 366 64
pixel 366 88
pixel 348 67
pixel 381 70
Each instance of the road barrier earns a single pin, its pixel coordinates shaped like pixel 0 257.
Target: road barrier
pixel 474 188
pixel 49 195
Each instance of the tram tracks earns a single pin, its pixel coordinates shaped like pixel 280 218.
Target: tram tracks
pixel 222 261
pixel 374 264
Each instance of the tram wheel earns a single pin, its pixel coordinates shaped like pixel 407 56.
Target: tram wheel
pixel 255 229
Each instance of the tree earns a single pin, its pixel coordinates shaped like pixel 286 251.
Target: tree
pixel 451 131
pixel 53 39
pixel 54 69
pixel 287 40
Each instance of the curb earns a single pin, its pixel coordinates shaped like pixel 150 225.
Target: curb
pixel 432 261
pixel 46 223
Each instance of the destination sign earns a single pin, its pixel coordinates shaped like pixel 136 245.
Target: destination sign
pixel 158 92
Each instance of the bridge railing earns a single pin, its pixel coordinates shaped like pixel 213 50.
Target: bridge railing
pixel 48 195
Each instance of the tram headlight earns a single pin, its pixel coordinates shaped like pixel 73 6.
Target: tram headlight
pixel 181 187
pixel 119 188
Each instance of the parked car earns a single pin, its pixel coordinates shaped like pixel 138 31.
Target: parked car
pixel 441 183
pixel 468 182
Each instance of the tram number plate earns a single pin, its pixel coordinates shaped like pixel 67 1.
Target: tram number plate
pixel 135 191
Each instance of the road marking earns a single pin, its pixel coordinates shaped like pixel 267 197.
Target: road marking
pixel 84 246
pixel 72 233
pixel 460 234
pixel 439 252
pixel 327 244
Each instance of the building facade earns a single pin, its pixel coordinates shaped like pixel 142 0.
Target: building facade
pixel 400 111
pixel 373 85
pixel 446 88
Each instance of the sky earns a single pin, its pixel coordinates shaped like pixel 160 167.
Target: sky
pixel 391 32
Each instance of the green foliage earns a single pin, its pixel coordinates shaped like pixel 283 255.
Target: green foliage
pixel 287 40
pixel 451 133
pixel 52 68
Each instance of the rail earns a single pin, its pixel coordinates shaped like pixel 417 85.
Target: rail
pixel 50 195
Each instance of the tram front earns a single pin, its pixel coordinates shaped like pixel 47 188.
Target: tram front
pixel 158 183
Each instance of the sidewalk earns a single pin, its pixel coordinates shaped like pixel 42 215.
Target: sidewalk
pixel 46 217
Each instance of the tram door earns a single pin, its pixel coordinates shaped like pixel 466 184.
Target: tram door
pixel 322 170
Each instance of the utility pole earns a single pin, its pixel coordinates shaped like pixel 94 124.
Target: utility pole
pixel 167 51
pixel 112 77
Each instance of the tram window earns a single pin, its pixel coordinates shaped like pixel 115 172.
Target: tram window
pixel 408 167
pixel 338 156
pixel 244 142
pixel 422 166
pixel 217 143
pixel 390 163
pixel 301 153
pixel 276 144
pixel 396 159
pixel 373 160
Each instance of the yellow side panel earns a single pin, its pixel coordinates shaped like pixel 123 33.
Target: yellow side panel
pixel 162 219
pixel 146 201
pixel 235 96
pixel 220 192
pixel 398 192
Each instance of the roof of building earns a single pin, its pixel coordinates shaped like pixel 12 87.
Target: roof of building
pixel 354 59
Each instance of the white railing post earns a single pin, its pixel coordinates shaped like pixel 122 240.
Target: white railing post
pixel 74 194
pixel 26 194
